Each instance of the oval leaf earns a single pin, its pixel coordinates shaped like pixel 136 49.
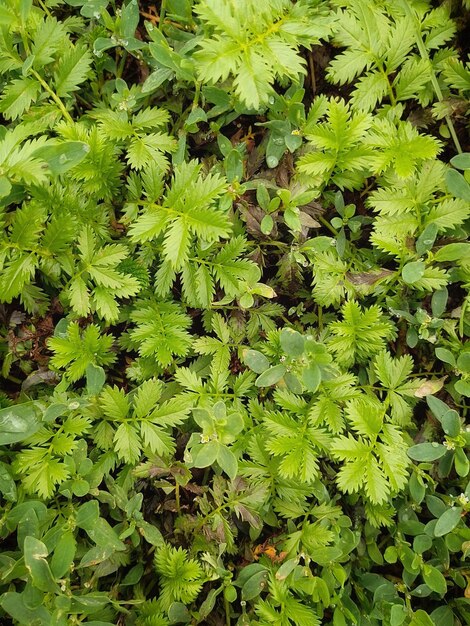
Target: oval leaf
pixel 271 376
pixel 448 521
pixel 427 451
pixel 413 272
pixel 256 361
pixel 292 342
pixel 18 423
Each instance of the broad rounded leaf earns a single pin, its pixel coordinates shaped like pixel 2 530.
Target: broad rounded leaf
pixel 252 580
pixel 312 377
pixel 292 342
pixel 95 379
pixel 18 423
pixel 448 521
pixel 227 461
pixel 457 185
pixel 451 423
pixel 426 451
pixel 461 161
pixel 256 361
pixel 271 376
pixel 463 362
pixel 445 356
pixel 434 579
pixel 63 156
pixel 206 454
pixel 453 252
pixel 413 272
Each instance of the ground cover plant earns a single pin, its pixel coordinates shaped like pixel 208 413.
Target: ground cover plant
pixel 235 312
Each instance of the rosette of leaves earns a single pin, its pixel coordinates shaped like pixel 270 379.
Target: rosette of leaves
pixel 181 577
pixel 139 421
pixel 304 362
pixel 219 429
pixel 375 460
pixel 256 42
pixel 389 50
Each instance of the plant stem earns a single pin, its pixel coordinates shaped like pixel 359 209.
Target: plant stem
pixel 54 96
pixel 435 83
pixel 177 498
pixel 227 611
pixel 162 14
pixel 328 225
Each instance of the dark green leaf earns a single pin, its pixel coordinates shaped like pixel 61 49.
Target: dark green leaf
pixel 18 422
pixel 448 521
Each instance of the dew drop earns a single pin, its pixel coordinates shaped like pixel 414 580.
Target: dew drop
pixel 271 100
pixel 272 161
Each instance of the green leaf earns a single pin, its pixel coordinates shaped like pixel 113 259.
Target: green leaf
pixel 151 533
pixel 463 362
pixel 206 454
pixel 18 422
pixel 35 553
pixel 311 377
pixel 453 252
pixel 413 272
pixel 267 224
pixel 451 423
pixel 62 157
pixel 421 618
pixel 448 521
pixel 461 161
pixel 445 356
pixel 95 379
pixel 256 361
pixel 7 484
pixel 252 580
pixel 426 451
pixel 16 605
pixel 227 461
pixel 434 579
pixel 292 342
pixel 271 376
pixel 18 96
pixel 458 185
pixel 64 554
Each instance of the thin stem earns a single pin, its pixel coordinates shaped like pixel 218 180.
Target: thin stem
pixel 328 225
pixel 227 611
pixel 196 95
pixel 122 63
pixel 162 14
pixel 177 498
pixel 437 89
pixel 44 8
pixel 54 96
